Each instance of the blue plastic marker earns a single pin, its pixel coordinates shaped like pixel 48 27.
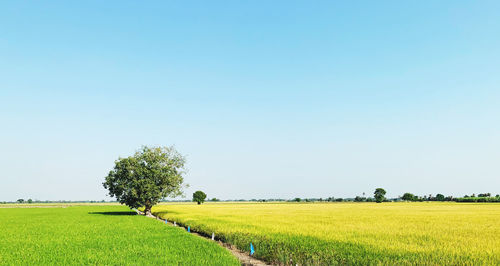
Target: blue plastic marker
pixel 166 221
pixel 252 251
pixel 189 229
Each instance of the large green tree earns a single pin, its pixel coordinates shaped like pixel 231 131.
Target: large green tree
pixel 379 194
pixel 142 180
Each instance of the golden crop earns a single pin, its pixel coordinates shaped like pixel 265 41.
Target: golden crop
pixel 352 233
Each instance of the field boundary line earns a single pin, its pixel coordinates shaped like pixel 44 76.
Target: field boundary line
pixel 244 258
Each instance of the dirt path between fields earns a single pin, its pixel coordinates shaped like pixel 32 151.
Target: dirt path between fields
pixel 245 259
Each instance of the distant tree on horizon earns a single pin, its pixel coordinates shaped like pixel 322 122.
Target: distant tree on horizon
pixel 379 195
pixel 408 196
pixel 440 197
pixel 142 180
pixel 199 197
pixel 359 199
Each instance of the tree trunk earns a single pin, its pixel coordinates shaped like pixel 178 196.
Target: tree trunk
pixel 147 210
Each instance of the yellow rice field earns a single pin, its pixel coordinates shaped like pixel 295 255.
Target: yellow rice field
pixel 427 233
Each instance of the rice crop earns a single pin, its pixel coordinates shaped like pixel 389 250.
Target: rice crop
pixel 106 235
pixel 427 233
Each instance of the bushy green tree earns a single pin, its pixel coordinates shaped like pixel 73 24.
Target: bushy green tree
pixel 142 180
pixel 408 196
pixel 359 199
pixel 199 197
pixel 379 195
pixel 440 197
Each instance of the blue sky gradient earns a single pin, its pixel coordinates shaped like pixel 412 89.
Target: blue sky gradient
pixel 267 99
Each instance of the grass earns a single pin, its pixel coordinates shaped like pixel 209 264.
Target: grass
pixel 352 233
pixel 109 235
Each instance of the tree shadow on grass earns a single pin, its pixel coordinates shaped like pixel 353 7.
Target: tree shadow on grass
pixel 115 213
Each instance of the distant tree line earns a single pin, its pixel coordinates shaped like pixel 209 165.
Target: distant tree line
pixel 439 197
pixel 482 197
pixel 486 197
pixel 379 196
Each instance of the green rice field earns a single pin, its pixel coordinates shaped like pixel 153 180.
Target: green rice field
pixel 104 235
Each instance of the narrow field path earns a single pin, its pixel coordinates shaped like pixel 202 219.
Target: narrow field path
pixel 245 259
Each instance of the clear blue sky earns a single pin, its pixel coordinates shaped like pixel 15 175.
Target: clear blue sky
pixel 266 99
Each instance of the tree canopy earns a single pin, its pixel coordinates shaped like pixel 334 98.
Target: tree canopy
pixel 408 196
pixel 379 194
pixel 199 196
pixel 151 174
pixel 440 197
